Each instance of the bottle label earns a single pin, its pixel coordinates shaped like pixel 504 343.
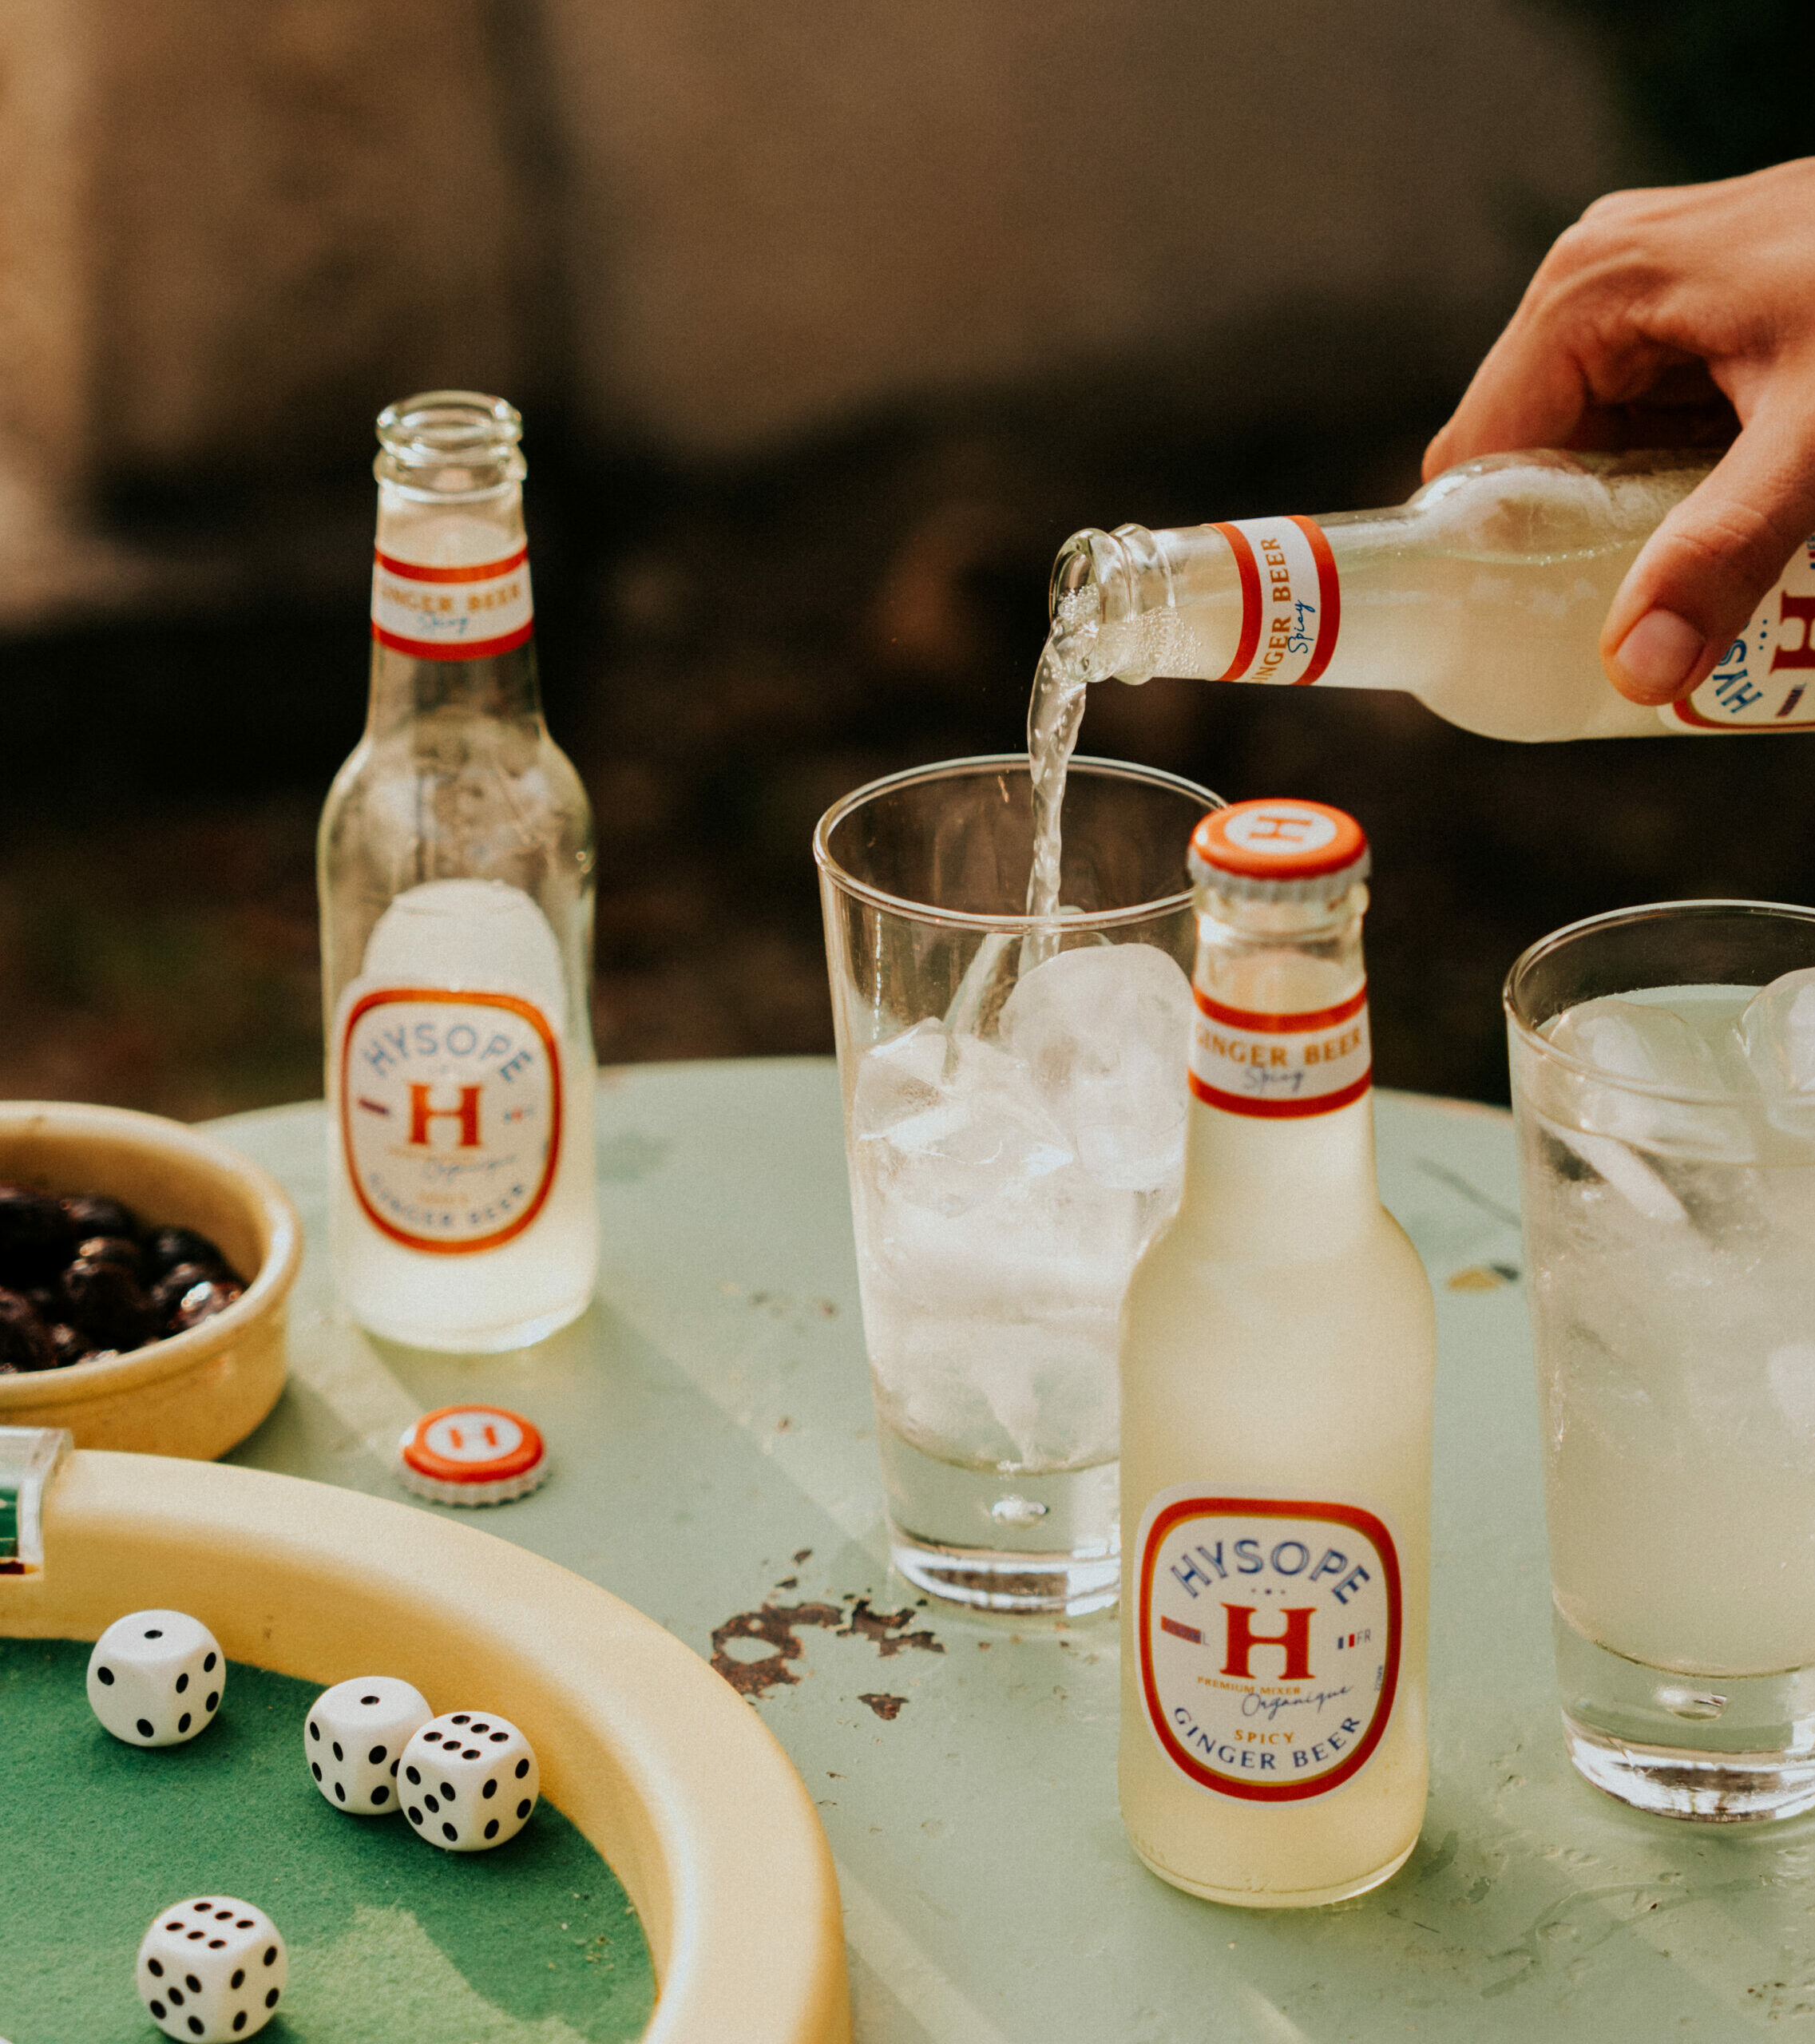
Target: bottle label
pixel 1765 681
pixel 1280 1067
pixel 451 1113
pixel 452 613
pixel 1291 599
pixel 1269 1635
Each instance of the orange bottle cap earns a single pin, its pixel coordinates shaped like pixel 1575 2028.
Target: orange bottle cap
pixel 1278 846
pixel 472 1455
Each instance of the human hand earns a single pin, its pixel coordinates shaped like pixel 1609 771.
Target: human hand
pixel 1664 318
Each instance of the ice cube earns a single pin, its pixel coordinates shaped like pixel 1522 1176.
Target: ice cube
pixel 1652 1047
pixel 1630 1175
pixel 1777 1033
pixel 946 1122
pixel 971 1001
pixel 900 1078
pixel 1002 1317
pixel 1104 1031
pixel 1634 1039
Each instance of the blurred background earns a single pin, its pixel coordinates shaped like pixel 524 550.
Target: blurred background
pixel 829 323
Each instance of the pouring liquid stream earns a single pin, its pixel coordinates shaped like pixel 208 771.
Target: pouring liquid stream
pixel 1054 712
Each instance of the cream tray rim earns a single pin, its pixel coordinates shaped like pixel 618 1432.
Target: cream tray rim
pixel 669 1773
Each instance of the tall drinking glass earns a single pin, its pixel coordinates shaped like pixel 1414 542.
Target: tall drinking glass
pixel 1014 1095
pixel 1666 1134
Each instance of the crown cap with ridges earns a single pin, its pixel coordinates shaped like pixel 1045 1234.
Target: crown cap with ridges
pixel 1279 849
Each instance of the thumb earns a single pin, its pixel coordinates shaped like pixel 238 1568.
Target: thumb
pixel 1703 572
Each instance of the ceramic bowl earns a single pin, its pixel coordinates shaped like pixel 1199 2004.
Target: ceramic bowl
pixel 198 1393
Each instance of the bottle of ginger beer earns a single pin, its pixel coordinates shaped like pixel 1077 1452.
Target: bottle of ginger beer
pixel 456 879
pixel 1278 1350
pixel 1484 596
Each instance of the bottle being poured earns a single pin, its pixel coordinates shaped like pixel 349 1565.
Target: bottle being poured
pixel 1484 596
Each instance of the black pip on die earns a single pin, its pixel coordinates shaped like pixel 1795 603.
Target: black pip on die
pixel 470 1781
pixel 211 1970
pixel 155 1678
pixel 354 1739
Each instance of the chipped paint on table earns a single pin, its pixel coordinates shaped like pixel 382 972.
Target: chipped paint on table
pixel 715 1462
pixel 774 1629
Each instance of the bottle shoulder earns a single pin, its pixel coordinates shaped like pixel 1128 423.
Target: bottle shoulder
pixel 446 745
pixel 1218 1251
pixel 1192 1298
pixel 460 798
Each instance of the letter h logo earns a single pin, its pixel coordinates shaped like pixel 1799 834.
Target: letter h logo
pixel 1801 609
pixel 466 1114
pixel 1270 826
pixel 1244 1639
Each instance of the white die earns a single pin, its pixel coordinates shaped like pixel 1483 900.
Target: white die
pixel 211 1970
pixel 354 1737
pixel 470 1781
pixel 155 1678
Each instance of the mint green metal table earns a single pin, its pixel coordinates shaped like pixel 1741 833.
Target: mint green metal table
pixel 714 1462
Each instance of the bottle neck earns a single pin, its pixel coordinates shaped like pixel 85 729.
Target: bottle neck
pixel 1279 1154
pixel 451 607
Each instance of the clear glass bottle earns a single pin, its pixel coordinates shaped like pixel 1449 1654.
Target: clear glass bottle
pixel 1484 596
pixel 456 876
pixel 1277 1355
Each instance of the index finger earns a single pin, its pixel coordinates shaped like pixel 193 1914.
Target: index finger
pixel 1530 391
pixel 1575 344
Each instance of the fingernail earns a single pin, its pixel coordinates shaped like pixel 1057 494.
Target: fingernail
pixel 1659 655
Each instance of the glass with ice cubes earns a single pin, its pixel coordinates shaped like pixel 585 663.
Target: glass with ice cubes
pixel 1663 1083
pixel 1015 1097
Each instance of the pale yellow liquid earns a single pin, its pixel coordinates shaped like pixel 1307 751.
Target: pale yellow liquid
pixel 498 1298
pixel 1266 1357
pixel 509 1296
pixel 1676 1369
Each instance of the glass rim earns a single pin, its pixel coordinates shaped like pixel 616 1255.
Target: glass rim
pixel 432 432
pixel 1535 953
pixel 433 427
pixel 981 762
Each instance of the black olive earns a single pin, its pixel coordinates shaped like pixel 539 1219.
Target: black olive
pixel 165 1248
pixel 94 1214
pixel 32 1235
pixel 107 1302
pixel 25 1341
pixel 167 1293
pixel 71 1344
pixel 113 1248
pixel 204 1301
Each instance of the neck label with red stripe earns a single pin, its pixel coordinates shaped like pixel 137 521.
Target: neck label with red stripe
pixel 1280 1067
pixel 452 613
pixel 1291 599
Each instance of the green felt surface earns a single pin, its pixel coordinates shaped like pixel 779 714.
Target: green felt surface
pixel 389 1938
